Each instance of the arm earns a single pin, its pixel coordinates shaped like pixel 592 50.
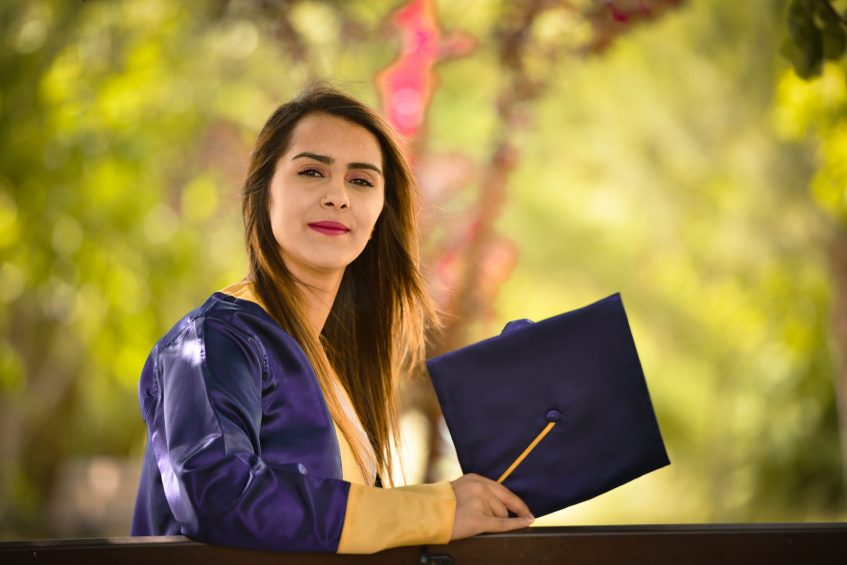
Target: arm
pixel 204 415
pixel 379 518
pixel 433 513
pixel 204 430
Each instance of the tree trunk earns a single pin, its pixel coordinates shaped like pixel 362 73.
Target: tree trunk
pixel 838 260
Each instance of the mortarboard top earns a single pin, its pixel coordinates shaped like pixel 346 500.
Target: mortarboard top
pixel 567 393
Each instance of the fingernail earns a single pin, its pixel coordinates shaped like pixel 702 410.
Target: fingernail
pixel 530 519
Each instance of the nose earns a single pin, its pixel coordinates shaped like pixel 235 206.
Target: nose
pixel 336 197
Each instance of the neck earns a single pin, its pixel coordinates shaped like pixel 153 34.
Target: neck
pixel 318 294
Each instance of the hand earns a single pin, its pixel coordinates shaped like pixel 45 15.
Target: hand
pixel 483 505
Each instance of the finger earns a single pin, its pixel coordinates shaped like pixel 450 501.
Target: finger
pixel 510 499
pixel 507 524
pixel 496 507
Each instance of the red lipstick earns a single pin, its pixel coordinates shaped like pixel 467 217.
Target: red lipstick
pixel 328 227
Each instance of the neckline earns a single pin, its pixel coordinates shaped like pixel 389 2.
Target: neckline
pixel 243 290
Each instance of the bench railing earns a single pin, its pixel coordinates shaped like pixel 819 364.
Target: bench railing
pixel 770 544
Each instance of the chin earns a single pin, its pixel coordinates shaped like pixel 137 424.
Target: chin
pixel 322 259
pixel 332 263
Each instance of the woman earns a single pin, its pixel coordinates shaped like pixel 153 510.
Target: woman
pixel 270 408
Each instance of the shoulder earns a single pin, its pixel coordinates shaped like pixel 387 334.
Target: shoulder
pixel 220 332
pixel 227 326
pixel 222 310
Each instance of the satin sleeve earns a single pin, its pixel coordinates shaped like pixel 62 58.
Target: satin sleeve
pixel 204 417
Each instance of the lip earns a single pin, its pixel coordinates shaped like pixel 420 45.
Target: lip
pixel 328 227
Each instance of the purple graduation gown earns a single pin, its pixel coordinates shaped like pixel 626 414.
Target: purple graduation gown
pixel 241 448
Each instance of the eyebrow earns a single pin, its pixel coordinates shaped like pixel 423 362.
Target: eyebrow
pixel 329 161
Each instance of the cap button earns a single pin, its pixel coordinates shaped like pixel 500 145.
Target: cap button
pixel 553 415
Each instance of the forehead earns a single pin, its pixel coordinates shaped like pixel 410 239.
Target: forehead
pixel 335 137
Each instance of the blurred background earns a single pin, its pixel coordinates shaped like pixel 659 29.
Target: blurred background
pixel 568 149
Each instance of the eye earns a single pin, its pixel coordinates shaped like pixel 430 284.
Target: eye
pixel 309 172
pixel 360 181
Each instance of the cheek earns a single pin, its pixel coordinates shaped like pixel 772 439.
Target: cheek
pixel 282 218
pixel 378 209
pixel 284 206
pixel 274 216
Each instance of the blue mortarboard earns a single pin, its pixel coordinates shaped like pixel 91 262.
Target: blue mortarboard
pixel 557 410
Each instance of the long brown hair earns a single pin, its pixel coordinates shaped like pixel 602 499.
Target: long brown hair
pixel 375 329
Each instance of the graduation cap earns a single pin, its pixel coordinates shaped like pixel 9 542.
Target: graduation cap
pixel 558 411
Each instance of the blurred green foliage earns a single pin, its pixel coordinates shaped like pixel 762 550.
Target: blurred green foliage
pixel 674 168
pixel 661 172
pixel 816 33
pixel 818 109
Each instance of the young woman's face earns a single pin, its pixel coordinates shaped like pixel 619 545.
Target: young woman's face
pixel 326 195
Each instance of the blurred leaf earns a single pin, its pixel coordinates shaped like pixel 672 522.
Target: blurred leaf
pixel 832 30
pixel 834 41
pixel 807 54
